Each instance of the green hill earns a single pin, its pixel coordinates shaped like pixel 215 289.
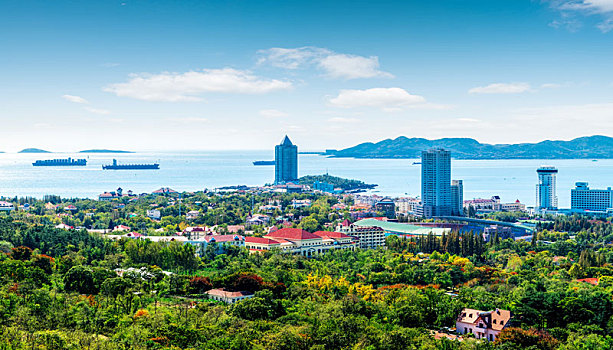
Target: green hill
pixel 590 147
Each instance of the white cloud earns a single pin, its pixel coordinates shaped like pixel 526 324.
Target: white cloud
pixel 501 88
pixel 352 67
pixel 570 8
pixel 594 6
pixel 272 113
pixel 177 87
pixel 75 99
pixel 97 111
pixel 291 58
pixel 388 99
pixel 343 120
pixel 468 120
pixel 335 65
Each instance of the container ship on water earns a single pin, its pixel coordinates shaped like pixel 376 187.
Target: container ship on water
pixel 264 162
pixel 61 162
pixel 116 166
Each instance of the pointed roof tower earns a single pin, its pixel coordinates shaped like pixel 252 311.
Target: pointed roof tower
pixel 286 142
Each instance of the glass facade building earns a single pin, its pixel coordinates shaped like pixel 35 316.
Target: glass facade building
pixel 286 162
pixel 436 183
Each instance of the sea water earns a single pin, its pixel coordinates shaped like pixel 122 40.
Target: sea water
pixel 194 171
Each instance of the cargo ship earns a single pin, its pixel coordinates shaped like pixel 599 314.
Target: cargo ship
pixel 61 162
pixel 264 162
pixel 116 166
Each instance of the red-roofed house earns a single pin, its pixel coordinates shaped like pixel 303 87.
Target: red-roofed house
pixel 164 190
pixel 228 297
pixel 593 281
pixel 64 227
pixel 483 324
pixel 298 241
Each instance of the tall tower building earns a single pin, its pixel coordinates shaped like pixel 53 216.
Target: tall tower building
pixel 286 162
pixel 436 182
pixel 546 197
pixel 457 197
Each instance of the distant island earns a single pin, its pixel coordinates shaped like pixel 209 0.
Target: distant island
pixel 346 185
pixel 589 147
pixel 104 151
pixel 33 150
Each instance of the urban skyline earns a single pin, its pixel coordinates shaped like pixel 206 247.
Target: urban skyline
pixel 141 208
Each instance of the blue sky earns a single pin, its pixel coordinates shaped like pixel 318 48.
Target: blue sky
pixel 152 75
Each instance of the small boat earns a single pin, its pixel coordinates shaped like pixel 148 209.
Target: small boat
pixel 416 163
pixel 264 162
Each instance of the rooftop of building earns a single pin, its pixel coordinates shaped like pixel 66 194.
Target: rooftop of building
pixel 292 233
pixel 401 228
pixel 227 294
pixel 496 319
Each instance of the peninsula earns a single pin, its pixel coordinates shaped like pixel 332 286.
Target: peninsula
pixel 346 185
pixel 589 147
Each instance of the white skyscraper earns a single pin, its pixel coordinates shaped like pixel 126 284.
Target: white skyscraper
pixel 546 197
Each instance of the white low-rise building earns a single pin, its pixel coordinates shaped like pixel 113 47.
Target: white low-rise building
pixel 368 237
pixel 154 214
pixel 228 297
pixel 6 206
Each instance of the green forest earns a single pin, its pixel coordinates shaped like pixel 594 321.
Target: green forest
pixel 72 289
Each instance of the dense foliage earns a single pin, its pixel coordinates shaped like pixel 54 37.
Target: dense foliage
pixel 69 289
pixel 337 182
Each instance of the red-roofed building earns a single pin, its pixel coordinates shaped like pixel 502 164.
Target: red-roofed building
pixel 298 241
pixel 483 324
pixel 293 233
pixel 64 227
pixel 228 297
pixel 70 208
pixel 164 190
pixel 593 281
pixel 121 228
pixel 195 232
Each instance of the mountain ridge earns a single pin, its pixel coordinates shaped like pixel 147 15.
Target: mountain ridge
pixel 586 147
